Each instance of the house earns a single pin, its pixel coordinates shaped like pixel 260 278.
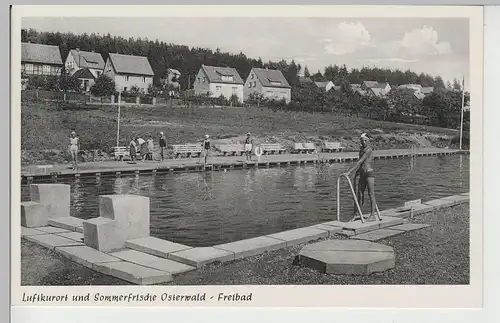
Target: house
pixel 305 80
pixel 427 90
pixel 272 84
pixel 38 59
pixel 87 78
pixel 357 88
pixel 172 79
pixel 216 81
pixel 376 88
pixel 78 60
pixel 327 86
pixel 128 71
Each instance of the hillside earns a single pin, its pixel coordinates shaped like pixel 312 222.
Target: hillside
pixel 45 128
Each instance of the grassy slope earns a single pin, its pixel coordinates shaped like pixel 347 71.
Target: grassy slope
pixel 435 255
pixel 46 128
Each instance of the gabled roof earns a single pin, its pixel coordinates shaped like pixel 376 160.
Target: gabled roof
pixel 305 79
pixel 407 86
pixel 38 53
pixel 84 73
pixel 427 90
pixel 375 84
pixel 215 73
pixel 378 91
pixel 271 78
pixel 128 64
pixel 174 71
pixel 322 84
pixel 419 95
pixel 87 59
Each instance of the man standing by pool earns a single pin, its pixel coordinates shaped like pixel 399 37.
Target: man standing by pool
pixel 163 145
pixel 364 170
pixel 248 147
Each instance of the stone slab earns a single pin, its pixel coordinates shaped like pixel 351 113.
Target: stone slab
pixel 198 257
pixel 33 215
pixel 388 221
pixel 347 257
pixel 133 273
pixel 440 203
pixel 49 229
pixel 359 227
pixel 252 247
pixel 54 197
pixel 30 232
pixel 298 236
pixel 77 236
pixel 69 223
pixel 377 234
pixel 404 212
pixel 331 230
pixel 458 199
pixel 53 241
pixel 147 260
pixel 85 256
pixel 155 246
pixel 338 224
pixel 410 226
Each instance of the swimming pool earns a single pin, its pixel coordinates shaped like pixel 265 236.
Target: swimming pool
pixel 204 209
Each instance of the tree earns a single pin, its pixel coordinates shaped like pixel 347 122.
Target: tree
pixel 103 86
pixel 69 83
pixel 306 72
pixel 456 85
pixel 135 90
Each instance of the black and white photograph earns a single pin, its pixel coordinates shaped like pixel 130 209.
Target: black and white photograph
pixel 244 150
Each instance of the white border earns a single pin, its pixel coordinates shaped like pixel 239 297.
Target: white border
pixel 337 296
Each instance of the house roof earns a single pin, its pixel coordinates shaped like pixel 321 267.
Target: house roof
pixel 128 64
pixel 39 53
pixel 427 90
pixel 375 84
pixel 378 91
pixel 88 59
pixel 174 71
pixel 406 86
pixel 322 84
pixel 336 87
pixel 419 95
pixel 355 85
pixel 84 73
pixel 305 79
pixel 359 90
pixel 267 76
pixel 215 73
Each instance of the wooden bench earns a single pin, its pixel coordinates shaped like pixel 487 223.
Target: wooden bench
pixel 121 152
pixel 307 147
pixel 232 149
pixel 269 149
pixel 332 147
pixel 189 150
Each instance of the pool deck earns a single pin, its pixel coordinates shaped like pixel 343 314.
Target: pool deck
pixel 151 260
pixel 217 162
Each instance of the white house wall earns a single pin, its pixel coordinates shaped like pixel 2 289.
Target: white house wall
pixel 277 93
pixel 227 90
pixel 126 82
pixel 72 66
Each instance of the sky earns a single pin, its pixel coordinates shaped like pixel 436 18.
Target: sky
pixel 436 46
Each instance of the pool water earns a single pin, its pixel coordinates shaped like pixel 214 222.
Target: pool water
pixel 204 209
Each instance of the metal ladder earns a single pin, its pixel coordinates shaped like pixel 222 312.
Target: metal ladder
pixel 355 200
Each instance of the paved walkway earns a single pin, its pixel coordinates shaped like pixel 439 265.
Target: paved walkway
pixel 218 160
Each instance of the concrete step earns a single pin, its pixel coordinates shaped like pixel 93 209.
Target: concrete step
pixel 154 246
pixel 69 223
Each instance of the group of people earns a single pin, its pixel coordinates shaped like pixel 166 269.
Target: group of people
pixel 145 149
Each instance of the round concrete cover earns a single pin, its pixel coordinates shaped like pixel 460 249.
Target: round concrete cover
pixel 347 257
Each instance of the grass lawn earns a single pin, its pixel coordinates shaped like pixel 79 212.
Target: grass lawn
pixel 45 127
pixel 438 254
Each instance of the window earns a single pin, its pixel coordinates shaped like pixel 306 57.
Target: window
pixel 254 83
pixel 204 79
pixel 199 80
pixel 98 73
pixel 125 89
pixel 29 67
pixel 46 69
pixel 251 76
pixel 235 90
pixel 126 78
pixel 227 78
pixel 249 84
pixel 275 83
pixel 143 79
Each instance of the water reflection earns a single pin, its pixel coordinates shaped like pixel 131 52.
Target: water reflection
pixel 203 209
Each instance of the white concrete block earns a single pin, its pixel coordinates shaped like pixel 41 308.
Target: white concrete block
pixel 55 198
pixel 33 215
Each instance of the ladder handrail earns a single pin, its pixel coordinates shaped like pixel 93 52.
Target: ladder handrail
pixel 353 194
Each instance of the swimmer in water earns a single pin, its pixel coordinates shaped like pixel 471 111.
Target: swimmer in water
pixel 365 171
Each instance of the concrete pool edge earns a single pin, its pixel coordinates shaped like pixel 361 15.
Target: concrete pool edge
pixel 67 241
pixel 225 163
